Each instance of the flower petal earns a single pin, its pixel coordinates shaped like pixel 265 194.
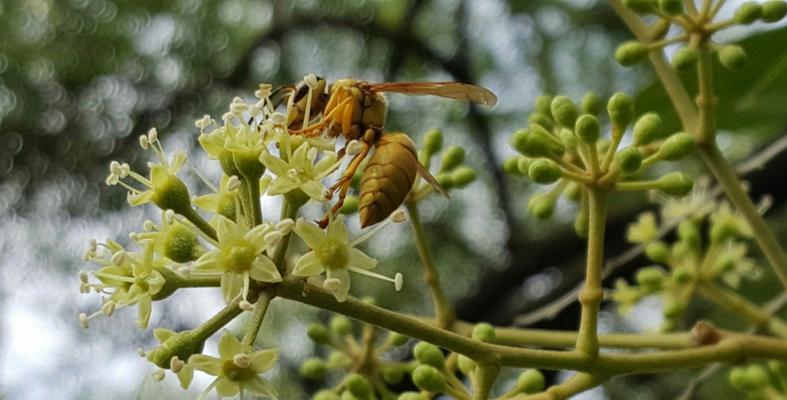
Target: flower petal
pixel 231 285
pixel 338 231
pixel 310 233
pixel 308 265
pixel 208 262
pixel 227 230
pixel 361 260
pixel 263 360
pixel 314 190
pixel 257 236
pixel 185 376
pixel 226 387
pixel 208 202
pixel 274 164
pixel 281 185
pixel 263 269
pixel 344 283
pixel 144 312
pixel 260 386
pixel 229 346
pixel 207 364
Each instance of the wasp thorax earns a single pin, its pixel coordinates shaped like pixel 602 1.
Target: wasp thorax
pixel 333 254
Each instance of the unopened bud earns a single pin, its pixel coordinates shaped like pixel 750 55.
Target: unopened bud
pixel 629 160
pixel 484 332
pixel 314 368
pixel 647 129
pixel 621 110
pixel 428 378
pixel 433 142
pixel 641 6
pixel 675 184
pixel 462 176
pixel 544 171
pixel 541 205
pixel 358 386
pixel 452 158
pixel 676 147
pixel 773 10
pixel 630 53
pixel 429 354
pixel 685 58
pixel 671 7
pixel 564 111
pixel 748 12
pixel 592 104
pixel 341 325
pixel 732 57
pixel 588 128
pixel 531 381
pixel 318 333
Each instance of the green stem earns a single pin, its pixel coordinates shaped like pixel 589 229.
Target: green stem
pixel 726 346
pixel 485 377
pixel 254 324
pixel 196 219
pixel 741 306
pixel 216 322
pixel 288 210
pixel 199 281
pixel 706 100
pixel 444 313
pixel 631 186
pixel 253 192
pixel 725 175
pixel 592 293
pixel 574 385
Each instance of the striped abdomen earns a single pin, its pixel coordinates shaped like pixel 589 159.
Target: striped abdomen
pixel 388 177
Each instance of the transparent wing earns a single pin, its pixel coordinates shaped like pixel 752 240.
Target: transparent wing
pixel 451 90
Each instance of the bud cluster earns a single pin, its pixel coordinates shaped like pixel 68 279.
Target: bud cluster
pixel 563 145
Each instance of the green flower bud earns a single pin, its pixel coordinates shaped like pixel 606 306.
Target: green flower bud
pixel 433 142
pixel 685 58
pixel 349 396
pixel 544 171
pixel 675 184
pixel 531 381
pixel 541 205
pixel 428 378
pixel 465 364
pixel 757 376
pixel 318 333
pixel 647 129
pixel 248 164
pixel 524 165
pixel 773 10
pixel 748 12
pixel 543 105
pixel 444 179
pixel 681 250
pixel 676 147
pixel 452 157
pixel 587 128
pixel 732 57
pixel 314 368
pixel 581 224
pixel 650 279
pixel 173 195
pixel 181 245
pixel 429 354
pixel 326 395
pixel 641 6
pixel 350 205
pixel 657 252
pixel 737 378
pixel 682 275
pixel 397 339
pixel 573 191
pixel 673 307
pixel 778 367
pixel 725 227
pixel 689 233
pixel 484 332
pixel 358 386
pixel 511 165
pixel 412 396
pixel 630 53
pixel 540 119
pixel 393 374
pixel 629 160
pixel 564 111
pixel 671 7
pixel 592 104
pixel 339 359
pixel 462 176
pixel 537 142
pixel 621 110
pixel 341 325
pixel 567 138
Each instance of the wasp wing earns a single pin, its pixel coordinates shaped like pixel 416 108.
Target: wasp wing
pixel 451 90
pixel 431 179
pixel 282 94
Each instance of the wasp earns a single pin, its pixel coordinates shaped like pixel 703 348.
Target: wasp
pixel 356 110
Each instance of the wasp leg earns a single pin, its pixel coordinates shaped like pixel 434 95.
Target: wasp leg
pixel 314 129
pixel 343 184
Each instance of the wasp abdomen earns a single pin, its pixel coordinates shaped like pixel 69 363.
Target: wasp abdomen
pixel 388 177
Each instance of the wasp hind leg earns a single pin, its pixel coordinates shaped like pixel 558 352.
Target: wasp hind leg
pixel 343 184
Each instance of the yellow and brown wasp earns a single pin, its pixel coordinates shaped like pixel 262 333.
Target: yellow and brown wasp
pixel 356 110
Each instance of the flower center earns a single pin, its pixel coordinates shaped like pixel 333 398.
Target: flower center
pixel 236 373
pixel 333 254
pixel 241 255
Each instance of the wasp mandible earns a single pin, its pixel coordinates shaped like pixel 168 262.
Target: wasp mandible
pixel 356 110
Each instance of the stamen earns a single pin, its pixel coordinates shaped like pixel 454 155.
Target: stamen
pixel 311 155
pixel 143 142
pixel 398 216
pixel 207 390
pixel 246 306
pixel 371 232
pixel 83 321
pixel 158 375
pixel 176 364
pixel 152 135
pixel 272 238
pixel 119 257
pixel 376 275
pixel 241 360
pixel 233 183
pixel 353 148
pixel 202 177
pixel 285 226
pixel 332 285
pixel 141 352
pixel 108 308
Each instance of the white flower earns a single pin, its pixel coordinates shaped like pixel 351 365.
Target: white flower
pixel 300 171
pixel 333 253
pixel 239 257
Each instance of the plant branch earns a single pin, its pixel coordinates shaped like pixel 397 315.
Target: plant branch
pixel 253 326
pixel 443 312
pixel 743 307
pixel 592 293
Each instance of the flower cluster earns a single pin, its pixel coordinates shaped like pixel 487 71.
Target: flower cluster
pixel 693 263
